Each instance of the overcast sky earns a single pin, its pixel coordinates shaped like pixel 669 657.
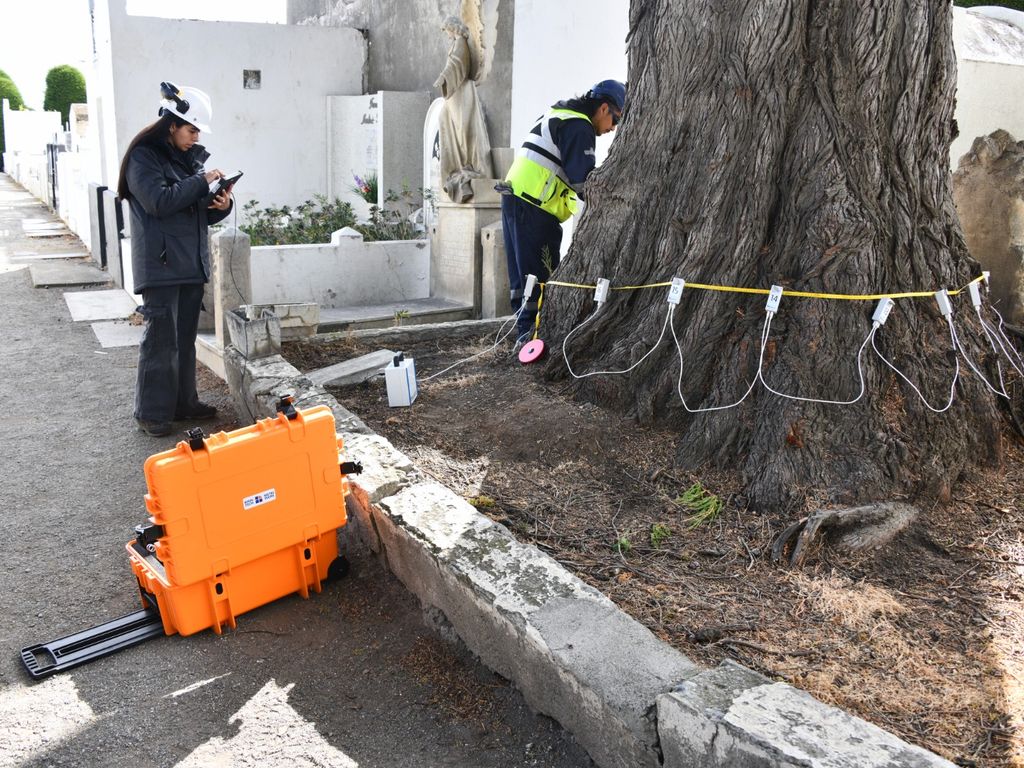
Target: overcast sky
pixel 40 34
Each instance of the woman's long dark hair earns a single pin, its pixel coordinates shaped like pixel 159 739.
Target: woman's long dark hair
pixel 151 134
pixel 586 104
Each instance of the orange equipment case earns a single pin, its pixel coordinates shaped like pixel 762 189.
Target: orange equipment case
pixel 238 519
pixel 246 518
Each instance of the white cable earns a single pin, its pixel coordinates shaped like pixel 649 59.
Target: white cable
pixel 994 338
pixel 668 316
pixel 994 343
pixel 1009 350
pixel 480 354
pixel 679 382
pixel 979 374
pixel 860 374
pixel 956 374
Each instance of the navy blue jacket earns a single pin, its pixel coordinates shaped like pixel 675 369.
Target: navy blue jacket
pixel 169 215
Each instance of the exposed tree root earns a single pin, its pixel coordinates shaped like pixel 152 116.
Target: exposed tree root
pixel 864 527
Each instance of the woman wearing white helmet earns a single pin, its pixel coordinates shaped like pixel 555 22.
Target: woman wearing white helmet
pixel 168 191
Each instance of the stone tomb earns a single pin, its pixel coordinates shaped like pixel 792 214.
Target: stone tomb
pixel 988 189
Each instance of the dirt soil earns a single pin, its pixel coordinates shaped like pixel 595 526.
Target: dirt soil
pixel 923 637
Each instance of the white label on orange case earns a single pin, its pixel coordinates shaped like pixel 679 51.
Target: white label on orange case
pixel 259 498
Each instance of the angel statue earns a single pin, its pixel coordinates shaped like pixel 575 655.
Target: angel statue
pixel 465 148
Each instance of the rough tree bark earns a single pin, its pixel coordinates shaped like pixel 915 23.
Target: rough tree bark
pixel 798 142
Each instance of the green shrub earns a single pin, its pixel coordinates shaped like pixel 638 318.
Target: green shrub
pixel 315 220
pixel 311 222
pixel 9 91
pixel 392 221
pixel 65 86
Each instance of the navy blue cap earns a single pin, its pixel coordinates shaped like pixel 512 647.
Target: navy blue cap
pixel 611 91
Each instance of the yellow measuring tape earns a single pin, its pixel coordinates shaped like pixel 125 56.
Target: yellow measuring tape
pixel 766 291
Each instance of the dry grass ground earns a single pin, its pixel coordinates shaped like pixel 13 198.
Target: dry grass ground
pixel 924 637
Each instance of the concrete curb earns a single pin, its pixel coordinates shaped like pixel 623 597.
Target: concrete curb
pixel 628 698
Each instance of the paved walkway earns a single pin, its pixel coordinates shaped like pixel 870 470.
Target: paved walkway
pixel 349 677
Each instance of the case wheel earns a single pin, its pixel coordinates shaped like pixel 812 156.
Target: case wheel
pixel 338 568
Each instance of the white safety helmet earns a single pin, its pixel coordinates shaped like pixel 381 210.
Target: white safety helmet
pixel 188 103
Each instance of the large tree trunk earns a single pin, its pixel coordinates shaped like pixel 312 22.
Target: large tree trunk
pixel 798 142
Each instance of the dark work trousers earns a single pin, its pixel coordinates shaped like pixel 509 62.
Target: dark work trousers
pixel 532 236
pixel 167 356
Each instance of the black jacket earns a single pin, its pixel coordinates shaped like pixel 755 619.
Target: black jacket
pixel 169 215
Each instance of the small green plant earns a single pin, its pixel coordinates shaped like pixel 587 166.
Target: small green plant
pixel 623 545
pixel 703 505
pixel 482 502
pixel 659 533
pixel 391 222
pixel 400 315
pixel 366 188
pixel 311 222
pixel 546 260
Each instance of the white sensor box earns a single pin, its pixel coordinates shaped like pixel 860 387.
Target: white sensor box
pixel 675 291
pixel 400 378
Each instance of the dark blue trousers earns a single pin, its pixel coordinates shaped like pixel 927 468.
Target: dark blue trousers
pixel 533 242
pixel 166 380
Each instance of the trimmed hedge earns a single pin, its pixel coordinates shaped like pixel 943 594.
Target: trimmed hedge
pixel 65 86
pixel 9 91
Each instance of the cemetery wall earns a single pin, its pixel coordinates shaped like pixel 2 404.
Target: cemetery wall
pixel 275 133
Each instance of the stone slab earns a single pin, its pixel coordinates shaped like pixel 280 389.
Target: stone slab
pixel 494 286
pixel 26 256
pixel 732 717
pixel 396 315
pixel 210 353
pixel 56 274
pixel 112 304
pixel 118 333
pixel 411 334
pixel 354 371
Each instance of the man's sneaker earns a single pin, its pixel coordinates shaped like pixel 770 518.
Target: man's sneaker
pixel 197 412
pixel 154 428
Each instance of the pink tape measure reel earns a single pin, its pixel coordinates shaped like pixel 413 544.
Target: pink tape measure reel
pixel 531 352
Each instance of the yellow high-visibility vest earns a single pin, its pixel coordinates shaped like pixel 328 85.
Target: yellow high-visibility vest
pixel 537 175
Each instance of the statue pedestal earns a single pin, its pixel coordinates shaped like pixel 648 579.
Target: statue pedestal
pixel 456 252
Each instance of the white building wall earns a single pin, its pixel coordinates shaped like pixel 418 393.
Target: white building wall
pixel 277 134
pixel 989 46
pixel 73 194
pixel 352 273
pixel 588 36
pixel 26 134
